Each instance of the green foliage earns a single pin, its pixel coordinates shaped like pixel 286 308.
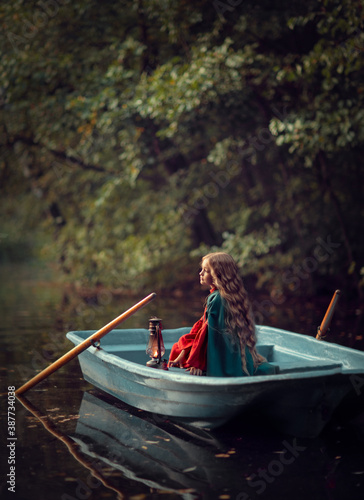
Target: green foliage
pixel 154 131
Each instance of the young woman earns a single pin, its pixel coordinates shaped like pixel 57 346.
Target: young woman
pixel 222 343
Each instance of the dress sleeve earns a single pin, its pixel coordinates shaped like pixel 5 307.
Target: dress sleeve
pixel 223 349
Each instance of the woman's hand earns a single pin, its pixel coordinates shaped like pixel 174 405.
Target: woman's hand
pixel 179 361
pixel 194 371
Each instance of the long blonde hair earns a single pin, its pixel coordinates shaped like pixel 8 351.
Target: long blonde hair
pixel 238 312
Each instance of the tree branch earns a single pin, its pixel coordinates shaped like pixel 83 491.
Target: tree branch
pixel 76 160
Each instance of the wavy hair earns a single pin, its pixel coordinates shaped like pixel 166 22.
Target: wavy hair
pixel 238 312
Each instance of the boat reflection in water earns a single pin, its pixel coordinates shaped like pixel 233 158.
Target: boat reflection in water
pixel 238 462
pixel 152 451
pixel 132 452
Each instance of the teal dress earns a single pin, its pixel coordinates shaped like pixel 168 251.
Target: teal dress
pixel 223 350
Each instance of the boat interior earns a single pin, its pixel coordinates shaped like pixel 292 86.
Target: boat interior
pixel 286 359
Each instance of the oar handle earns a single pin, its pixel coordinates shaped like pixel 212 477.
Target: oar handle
pixel 322 329
pixel 83 345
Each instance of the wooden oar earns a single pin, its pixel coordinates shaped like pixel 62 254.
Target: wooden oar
pixel 322 329
pixel 84 345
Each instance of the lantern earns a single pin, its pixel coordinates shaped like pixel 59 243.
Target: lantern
pixel 155 348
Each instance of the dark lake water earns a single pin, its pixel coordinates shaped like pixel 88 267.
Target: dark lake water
pixel 72 442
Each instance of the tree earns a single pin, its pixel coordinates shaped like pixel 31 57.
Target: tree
pixel 156 131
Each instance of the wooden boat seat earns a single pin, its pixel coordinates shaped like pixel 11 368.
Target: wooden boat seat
pixel 305 365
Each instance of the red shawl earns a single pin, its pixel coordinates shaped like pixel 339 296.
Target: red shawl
pixel 195 345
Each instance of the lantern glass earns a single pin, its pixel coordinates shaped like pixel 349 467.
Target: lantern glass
pixel 155 348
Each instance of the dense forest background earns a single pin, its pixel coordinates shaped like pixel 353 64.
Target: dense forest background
pixel 136 136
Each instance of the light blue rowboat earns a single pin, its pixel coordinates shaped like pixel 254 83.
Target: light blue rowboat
pixel 314 379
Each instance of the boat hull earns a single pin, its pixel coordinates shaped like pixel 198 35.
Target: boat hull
pixel 313 379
